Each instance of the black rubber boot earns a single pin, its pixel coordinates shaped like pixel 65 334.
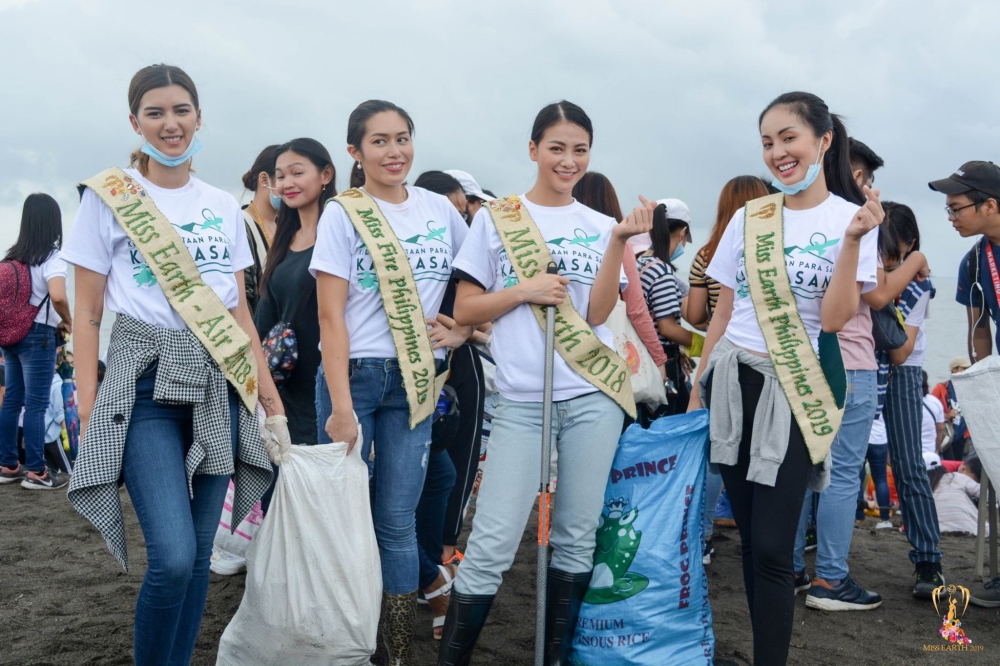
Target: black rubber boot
pixel 564 595
pixel 466 617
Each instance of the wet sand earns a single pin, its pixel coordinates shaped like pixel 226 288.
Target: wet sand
pixel 65 601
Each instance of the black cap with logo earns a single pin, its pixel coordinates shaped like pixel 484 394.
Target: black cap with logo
pixel 976 175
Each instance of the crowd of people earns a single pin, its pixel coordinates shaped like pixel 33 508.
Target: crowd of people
pixel 807 348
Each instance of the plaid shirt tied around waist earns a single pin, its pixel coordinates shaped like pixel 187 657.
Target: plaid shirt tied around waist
pixel 186 375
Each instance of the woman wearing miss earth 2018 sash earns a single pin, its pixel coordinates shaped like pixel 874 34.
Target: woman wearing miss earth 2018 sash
pixel 809 255
pixel 502 278
pixel 175 416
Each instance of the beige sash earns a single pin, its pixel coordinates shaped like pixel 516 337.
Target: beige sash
pixel 575 340
pixel 799 369
pixel 401 302
pixel 174 270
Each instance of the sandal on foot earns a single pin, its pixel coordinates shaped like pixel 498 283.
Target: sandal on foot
pixel 438 596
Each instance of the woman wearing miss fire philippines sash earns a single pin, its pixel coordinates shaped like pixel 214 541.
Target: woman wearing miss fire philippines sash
pixel 503 278
pixel 382 262
pixel 175 416
pixel 792 267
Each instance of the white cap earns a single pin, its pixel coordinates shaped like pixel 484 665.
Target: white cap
pixel 468 183
pixel 640 243
pixel 676 209
pixel 931 460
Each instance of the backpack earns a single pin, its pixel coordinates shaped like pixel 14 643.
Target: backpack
pixel 17 314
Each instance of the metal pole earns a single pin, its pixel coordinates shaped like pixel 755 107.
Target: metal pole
pixel 543 486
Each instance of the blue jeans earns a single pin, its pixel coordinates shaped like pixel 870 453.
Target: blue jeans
pixel 585 432
pixel 440 480
pixel 401 457
pixel 838 503
pixel 713 488
pixel 178 530
pixel 30 367
pixel 877 456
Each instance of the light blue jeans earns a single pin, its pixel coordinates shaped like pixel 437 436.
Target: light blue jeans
pixel 401 457
pixel 838 503
pixel 585 432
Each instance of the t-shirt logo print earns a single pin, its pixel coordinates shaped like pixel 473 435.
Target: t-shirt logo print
pixel 368 280
pixel 210 223
pixel 580 237
pixel 818 245
pixel 432 234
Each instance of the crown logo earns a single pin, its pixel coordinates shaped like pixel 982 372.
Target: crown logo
pixel 616 507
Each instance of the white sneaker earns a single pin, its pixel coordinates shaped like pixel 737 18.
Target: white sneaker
pixel 225 563
pixel 884 525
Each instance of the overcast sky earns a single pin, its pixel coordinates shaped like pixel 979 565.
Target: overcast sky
pixel 674 88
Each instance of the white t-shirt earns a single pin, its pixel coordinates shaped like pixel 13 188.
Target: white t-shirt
pixel 878 434
pixel 916 318
pixel 430 230
pixel 813 239
pixel 53 266
pixel 576 237
pixel 933 413
pixel 206 218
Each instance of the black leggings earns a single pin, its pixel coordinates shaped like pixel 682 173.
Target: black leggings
pixel 470 386
pixel 767 519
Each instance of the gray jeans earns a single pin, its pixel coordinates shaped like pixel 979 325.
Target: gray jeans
pixel 585 432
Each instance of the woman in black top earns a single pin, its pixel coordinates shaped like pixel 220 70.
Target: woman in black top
pixel 304 177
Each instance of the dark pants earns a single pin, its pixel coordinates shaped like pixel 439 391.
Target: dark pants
pixel 438 486
pixel 30 365
pixel 877 457
pixel 470 386
pixel 767 518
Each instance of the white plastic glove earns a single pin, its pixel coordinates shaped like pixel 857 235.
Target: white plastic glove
pixel 277 442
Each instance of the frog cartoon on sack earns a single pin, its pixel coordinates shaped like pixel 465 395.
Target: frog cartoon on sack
pixel 617 544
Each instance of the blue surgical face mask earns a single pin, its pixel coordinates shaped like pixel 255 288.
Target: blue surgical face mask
pixel 678 251
pixel 811 175
pixel 168 161
pixel 275 201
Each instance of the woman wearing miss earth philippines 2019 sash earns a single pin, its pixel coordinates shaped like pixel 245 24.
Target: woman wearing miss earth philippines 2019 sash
pixel 175 416
pixel 773 374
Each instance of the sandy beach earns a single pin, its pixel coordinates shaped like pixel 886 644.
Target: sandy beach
pixel 66 601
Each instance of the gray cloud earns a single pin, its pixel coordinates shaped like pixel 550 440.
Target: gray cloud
pixel 674 89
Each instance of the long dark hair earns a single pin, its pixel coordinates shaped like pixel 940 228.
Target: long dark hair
pixel 263 164
pixel 558 112
pixel 357 125
pixel 41 231
pixel 151 78
pixel 287 220
pixel 438 182
pixel 595 191
pixel 898 229
pixel 837 161
pixel 663 228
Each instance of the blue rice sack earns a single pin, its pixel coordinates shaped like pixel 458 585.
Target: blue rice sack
pixel 648 596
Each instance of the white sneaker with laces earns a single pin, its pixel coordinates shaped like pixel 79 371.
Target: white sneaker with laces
pixel 884 525
pixel 225 563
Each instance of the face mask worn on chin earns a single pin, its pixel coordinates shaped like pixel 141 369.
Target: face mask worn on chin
pixel 811 174
pixel 677 253
pixel 168 161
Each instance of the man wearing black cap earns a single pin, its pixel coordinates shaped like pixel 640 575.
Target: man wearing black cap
pixel 973 207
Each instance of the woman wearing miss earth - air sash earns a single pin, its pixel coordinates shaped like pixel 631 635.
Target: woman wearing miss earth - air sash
pixel 175 416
